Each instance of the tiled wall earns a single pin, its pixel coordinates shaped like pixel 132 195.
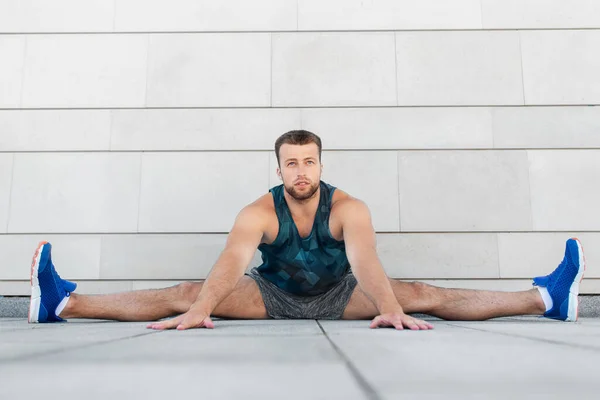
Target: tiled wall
pixel 131 132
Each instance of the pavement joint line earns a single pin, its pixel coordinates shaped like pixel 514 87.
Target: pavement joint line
pixel 66 349
pixel 369 391
pixel 533 338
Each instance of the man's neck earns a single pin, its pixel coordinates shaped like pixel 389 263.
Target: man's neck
pixel 303 208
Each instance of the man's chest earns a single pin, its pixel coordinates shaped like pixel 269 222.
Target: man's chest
pixel 303 227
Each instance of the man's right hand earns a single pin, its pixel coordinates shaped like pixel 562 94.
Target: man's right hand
pixel 189 320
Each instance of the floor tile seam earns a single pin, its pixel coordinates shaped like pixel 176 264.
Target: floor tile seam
pixel 368 390
pixel 31 356
pixel 532 338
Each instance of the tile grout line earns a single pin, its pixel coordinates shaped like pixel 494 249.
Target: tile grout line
pixel 291 30
pixel 532 338
pixel 368 390
pixel 68 349
pixel 215 150
pixel 327 106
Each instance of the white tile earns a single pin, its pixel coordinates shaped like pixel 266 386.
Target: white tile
pixel 6 169
pixel 75 192
pixel 54 130
pixel 436 256
pixel 209 70
pixel 103 287
pixel 56 16
pixel 205 15
pixel 510 14
pixel 23 288
pixel 199 192
pixel 15 288
pixel 471 364
pixel 564 190
pixel 458 68
pixel 525 255
pixel 165 257
pixel 12 54
pixel 388 14
pixel 400 128
pixel 74 256
pixel 85 71
pixel 349 171
pixel 200 129
pixel 464 191
pixel 561 67
pixel 249 366
pixel 320 69
pixel 546 127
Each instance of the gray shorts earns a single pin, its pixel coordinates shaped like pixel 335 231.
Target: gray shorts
pixel 283 305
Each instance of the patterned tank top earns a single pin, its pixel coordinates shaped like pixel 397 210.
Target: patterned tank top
pixel 304 266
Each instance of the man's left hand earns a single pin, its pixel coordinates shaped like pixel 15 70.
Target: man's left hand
pixel 399 320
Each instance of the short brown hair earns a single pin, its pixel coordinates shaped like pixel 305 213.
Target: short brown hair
pixel 299 137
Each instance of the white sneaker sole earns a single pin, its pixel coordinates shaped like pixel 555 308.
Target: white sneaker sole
pixel 36 292
pixel 573 312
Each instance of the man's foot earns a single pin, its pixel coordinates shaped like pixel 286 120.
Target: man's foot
pixel 563 283
pixel 48 290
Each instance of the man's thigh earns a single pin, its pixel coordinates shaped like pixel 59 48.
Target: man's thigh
pixel 412 296
pixel 359 306
pixel 245 302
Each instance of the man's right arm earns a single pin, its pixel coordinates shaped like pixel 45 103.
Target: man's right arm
pixel 242 242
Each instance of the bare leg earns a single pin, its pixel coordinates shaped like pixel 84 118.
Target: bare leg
pixel 149 305
pixel 450 304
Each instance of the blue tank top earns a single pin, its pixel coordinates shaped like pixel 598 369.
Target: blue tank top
pixel 304 266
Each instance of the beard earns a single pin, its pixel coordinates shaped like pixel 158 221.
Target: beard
pixel 301 194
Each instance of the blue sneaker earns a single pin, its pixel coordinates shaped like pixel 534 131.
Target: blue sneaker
pixel 48 290
pixel 563 283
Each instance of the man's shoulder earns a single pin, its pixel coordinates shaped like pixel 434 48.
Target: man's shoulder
pixel 264 206
pixel 346 204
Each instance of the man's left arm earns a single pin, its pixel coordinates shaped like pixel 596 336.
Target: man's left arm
pixel 359 238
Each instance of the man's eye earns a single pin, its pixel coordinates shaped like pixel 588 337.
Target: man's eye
pixel 311 162
pixel 290 164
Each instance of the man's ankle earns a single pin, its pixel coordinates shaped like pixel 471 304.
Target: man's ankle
pixel 540 305
pixel 68 310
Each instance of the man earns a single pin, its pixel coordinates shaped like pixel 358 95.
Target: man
pixel 317 243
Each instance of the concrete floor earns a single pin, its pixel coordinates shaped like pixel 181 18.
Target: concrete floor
pixel 303 359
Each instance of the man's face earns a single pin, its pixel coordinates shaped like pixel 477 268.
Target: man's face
pixel 300 169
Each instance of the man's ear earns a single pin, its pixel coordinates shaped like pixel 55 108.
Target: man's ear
pixel 279 174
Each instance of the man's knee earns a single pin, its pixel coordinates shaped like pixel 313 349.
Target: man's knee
pixel 421 289
pixel 188 291
pixel 415 296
